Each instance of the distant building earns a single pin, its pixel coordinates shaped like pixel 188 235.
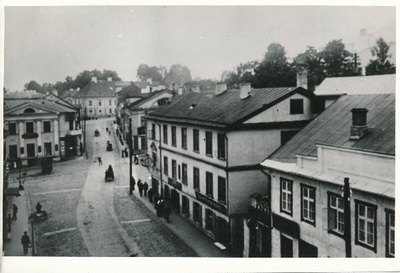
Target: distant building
pixel 39 127
pixel 304 213
pixel 204 151
pixel 98 99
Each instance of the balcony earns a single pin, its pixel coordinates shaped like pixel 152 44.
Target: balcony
pixel 30 135
pixel 260 210
pixel 73 132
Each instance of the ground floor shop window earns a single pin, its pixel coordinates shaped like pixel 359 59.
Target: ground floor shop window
pixel 197 213
pixel 286 247
pixel 209 220
pixel 47 148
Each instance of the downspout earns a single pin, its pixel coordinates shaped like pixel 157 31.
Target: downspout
pixel 160 148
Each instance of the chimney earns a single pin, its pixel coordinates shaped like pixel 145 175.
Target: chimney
pixel 220 88
pixel 363 31
pixel 109 79
pixel 94 79
pixel 245 89
pixel 359 125
pixel 196 88
pixel 149 80
pixel 302 76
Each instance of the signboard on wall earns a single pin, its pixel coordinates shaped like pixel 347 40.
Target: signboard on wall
pixel 208 201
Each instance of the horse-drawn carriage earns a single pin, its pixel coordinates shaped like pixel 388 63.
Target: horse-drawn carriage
pixel 96 133
pixel 109 177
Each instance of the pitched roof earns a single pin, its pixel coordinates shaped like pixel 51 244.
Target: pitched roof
pixel 41 103
pixel 378 84
pixel 136 104
pixel 23 95
pixel 224 109
pixel 332 127
pixel 97 90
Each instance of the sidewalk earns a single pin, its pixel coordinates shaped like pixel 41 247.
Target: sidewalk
pixel 13 246
pixel 198 241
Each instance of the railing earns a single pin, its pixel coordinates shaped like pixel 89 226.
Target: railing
pixel 30 135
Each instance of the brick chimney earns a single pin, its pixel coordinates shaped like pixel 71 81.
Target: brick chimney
pixel 196 88
pixel 359 125
pixel 220 88
pixel 94 79
pixel 301 76
pixel 245 89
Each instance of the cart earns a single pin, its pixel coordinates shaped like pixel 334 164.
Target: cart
pixel 96 133
pixel 109 146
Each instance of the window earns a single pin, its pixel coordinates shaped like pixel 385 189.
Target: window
pixel 197 213
pixel 286 196
pixel 153 131
pixel 184 138
pixel 173 136
pixel 209 220
pixel 209 143
pixel 296 106
pixel 110 111
pixel 13 151
pixel 209 184
pixel 221 146
pixel 336 214
pixel 109 102
pixel 366 225
pixel 154 155
pixel 286 136
pixel 221 189
pixel 39 149
pixel 56 147
pixel 196 178
pixel 29 110
pixel 99 102
pixel 184 174
pixel 179 172
pixel 46 126
pixel 163 101
pixel 71 125
pixel 90 103
pixel 12 128
pixel 390 232
pixel 195 140
pixel 308 204
pixel 29 127
pixel 166 165
pixel 173 168
pixel 165 134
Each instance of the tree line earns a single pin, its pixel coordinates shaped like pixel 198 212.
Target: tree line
pixel 334 60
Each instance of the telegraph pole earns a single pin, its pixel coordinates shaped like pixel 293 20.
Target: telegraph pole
pixel 347 216
pixel 84 132
pixel 130 149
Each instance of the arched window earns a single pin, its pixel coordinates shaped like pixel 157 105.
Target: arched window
pixel 29 110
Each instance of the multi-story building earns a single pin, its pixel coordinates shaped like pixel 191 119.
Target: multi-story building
pixel 98 98
pixel 310 212
pixel 206 148
pixel 40 127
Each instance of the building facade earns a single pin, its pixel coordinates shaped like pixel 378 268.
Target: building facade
pixel 206 148
pixel 311 211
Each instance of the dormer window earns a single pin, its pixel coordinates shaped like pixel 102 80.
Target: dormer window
pixel 29 110
pixel 296 106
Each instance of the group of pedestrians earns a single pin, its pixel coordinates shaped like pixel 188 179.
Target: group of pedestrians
pixel 143 187
pixel 25 240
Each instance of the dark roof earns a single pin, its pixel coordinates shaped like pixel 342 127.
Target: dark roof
pixel 97 90
pixel 378 84
pixel 131 91
pixel 224 109
pixel 332 127
pixel 41 103
pixel 23 95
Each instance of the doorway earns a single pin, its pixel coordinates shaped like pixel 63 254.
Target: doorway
pixel 175 197
pixel 286 247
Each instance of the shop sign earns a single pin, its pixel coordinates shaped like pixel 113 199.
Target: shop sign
pixel 208 201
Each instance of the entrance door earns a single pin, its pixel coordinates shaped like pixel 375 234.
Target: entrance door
pixel 13 151
pixel 222 233
pixel 30 150
pixel 154 185
pixel 175 200
pixel 307 250
pixel 167 194
pixel 286 247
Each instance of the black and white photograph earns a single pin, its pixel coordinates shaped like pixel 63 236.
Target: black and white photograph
pixel 188 131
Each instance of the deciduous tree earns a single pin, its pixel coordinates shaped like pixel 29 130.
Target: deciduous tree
pixel 381 63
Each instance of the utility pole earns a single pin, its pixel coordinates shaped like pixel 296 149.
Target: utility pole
pixel 347 216
pixel 130 149
pixel 84 133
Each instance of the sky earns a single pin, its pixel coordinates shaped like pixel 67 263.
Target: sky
pixel 47 44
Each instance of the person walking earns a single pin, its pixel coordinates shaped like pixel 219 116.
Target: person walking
pixel 145 188
pixel 9 222
pixel 140 186
pixel 132 185
pixel 15 211
pixel 26 242
pixel 99 159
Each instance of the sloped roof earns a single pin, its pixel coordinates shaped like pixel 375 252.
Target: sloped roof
pixel 41 103
pixel 224 109
pixel 136 104
pixel 378 84
pixel 332 127
pixel 97 90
